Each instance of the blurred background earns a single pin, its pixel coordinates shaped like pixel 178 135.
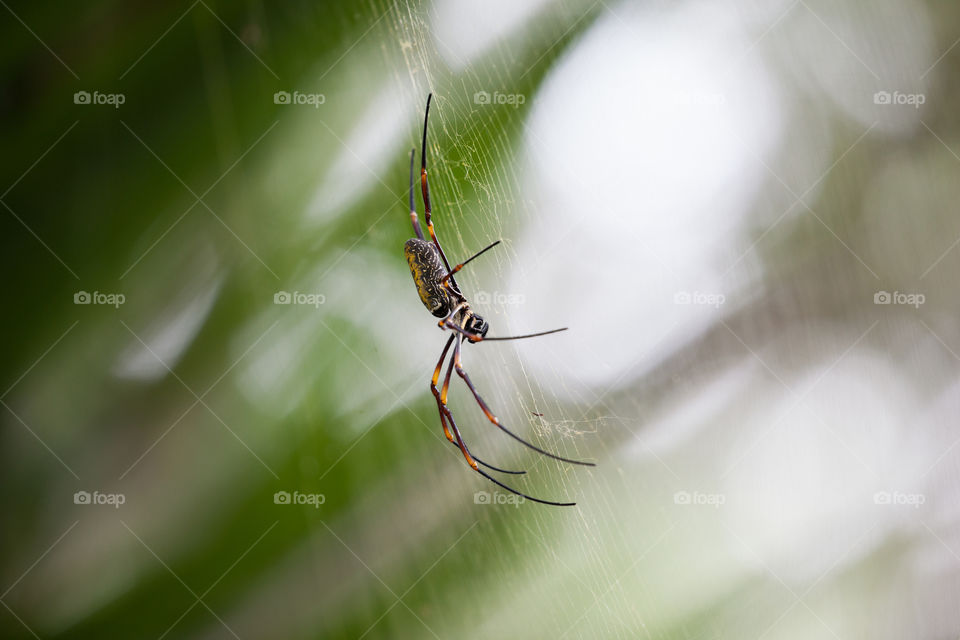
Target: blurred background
pixel 215 411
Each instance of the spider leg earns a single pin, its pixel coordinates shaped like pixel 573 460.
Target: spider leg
pixel 495 420
pixel 487 465
pixel 445 410
pixel 471 459
pixel 445 414
pixel 436 393
pixel 523 495
pixel 413 209
pixel 448 320
pixel 449 275
pixel 448 323
pixel 425 190
pixel 473 337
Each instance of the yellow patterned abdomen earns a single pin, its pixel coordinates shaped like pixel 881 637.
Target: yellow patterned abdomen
pixel 427 270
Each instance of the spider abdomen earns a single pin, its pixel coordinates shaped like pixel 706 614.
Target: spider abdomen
pixel 427 270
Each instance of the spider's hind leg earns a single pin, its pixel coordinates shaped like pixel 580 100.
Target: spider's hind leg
pixel 523 495
pixel 495 420
pixel 471 459
pixel 445 414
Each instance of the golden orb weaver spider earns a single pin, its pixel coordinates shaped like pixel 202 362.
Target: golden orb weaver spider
pixel 442 297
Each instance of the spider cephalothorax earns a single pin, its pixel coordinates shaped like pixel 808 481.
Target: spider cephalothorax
pixel 440 294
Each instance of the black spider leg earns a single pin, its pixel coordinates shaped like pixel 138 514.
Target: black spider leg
pixel 474 337
pixel 466 452
pixel 425 190
pixel 448 322
pixel 454 311
pixel 413 209
pixel 457 268
pixel 523 495
pixel 494 419
pixel 445 415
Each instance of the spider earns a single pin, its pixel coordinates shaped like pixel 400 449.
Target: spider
pixel 442 297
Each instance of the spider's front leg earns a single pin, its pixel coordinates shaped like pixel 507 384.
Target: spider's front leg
pixel 413 209
pixel 457 268
pixel 425 188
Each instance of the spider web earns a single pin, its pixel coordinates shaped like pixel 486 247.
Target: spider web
pixel 713 196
